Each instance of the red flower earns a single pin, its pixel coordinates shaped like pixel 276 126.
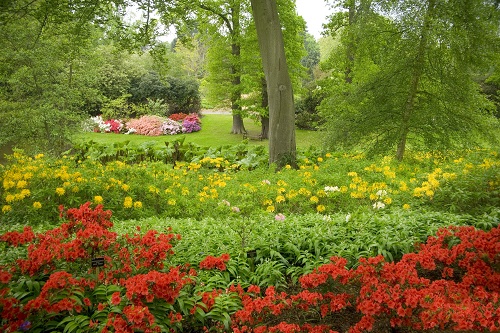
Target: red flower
pixel 115 298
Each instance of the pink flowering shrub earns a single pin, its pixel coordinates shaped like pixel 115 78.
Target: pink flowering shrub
pixel 147 125
pixel 171 127
pixel 191 123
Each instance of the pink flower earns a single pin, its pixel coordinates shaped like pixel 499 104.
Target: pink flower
pixel 279 217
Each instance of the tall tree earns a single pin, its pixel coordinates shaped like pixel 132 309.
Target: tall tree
pixel 410 77
pixel 221 23
pixel 253 78
pixel 282 147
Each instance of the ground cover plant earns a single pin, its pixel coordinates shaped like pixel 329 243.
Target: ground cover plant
pixel 250 239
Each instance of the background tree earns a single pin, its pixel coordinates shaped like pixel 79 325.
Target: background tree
pixel 410 77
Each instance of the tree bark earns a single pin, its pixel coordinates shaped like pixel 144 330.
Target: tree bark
pixel 282 146
pixel 418 70
pixel 238 126
pixel 264 120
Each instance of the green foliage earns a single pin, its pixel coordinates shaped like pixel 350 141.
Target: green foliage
pixel 306 111
pixel 183 95
pixel 425 68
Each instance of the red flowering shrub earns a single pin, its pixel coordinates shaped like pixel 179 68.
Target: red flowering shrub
pixel 452 282
pixel 178 116
pixel 56 284
pixel 211 262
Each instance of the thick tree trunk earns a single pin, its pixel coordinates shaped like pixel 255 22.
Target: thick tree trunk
pixel 238 126
pixel 418 70
pixel 282 147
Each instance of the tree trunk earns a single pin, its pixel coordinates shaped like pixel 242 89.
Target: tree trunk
pixel 238 126
pixel 282 147
pixel 418 70
pixel 264 119
pixel 350 42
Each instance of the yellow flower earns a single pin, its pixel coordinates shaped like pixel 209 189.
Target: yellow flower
pixel 281 183
pixel 98 199
pixel 320 208
pixel 270 209
pixel 138 204
pixel 127 203
pixel 328 155
pixel 21 184
pixel 267 202
pixel 6 208
pixel 154 190
pixel 280 198
pixel 320 159
pixel 9 198
pixel 406 206
pixel 171 202
pixel 60 191
pixel 387 201
pixel 125 187
pixel 314 199
pixel 37 205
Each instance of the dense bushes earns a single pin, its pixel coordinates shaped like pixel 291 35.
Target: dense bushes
pixel 306 113
pixel 180 94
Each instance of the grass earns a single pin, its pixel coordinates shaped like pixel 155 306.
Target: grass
pixel 215 132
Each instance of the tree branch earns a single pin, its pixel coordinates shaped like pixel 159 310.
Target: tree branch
pixel 217 13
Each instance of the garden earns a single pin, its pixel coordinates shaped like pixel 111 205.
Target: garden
pixel 184 238
pixel 150 125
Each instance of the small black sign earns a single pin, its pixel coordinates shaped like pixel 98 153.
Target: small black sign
pixel 98 262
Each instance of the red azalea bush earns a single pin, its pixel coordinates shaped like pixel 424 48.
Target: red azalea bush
pixel 56 285
pixel 178 116
pixel 115 126
pixel 453 282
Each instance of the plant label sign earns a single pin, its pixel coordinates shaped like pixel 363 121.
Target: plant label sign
pixel 98 262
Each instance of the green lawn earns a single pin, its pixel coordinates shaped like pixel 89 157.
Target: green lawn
pixel 215 132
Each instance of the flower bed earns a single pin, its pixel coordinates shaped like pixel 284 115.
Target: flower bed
pixel 451 282
pixel 148 125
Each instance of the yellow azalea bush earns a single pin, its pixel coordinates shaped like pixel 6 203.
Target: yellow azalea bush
pixel 466 181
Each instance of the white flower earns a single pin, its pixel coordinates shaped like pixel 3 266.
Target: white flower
pixel 332 189
pixel 381 193
pixel 348 217
pixel 378 205
pixel 266 182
